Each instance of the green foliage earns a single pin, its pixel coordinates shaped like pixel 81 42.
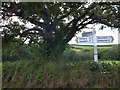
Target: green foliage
pixel 112 53
pixel 94 67
pixel 23 52
pixel 14 51
pixel 75 74
pixel 104 52
pixel 35 51
pixel 86 55
pixel 72 55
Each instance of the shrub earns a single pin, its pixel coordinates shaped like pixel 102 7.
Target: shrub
pixel 16 53
pixel 85 55
pixel 62 74
pixel 24 52
pixel 112 53
pixel 102 52
pixel 72 55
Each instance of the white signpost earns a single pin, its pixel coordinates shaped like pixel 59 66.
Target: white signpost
pixel 95 46
pixel 100 39
pixel 82 40
pixel 95 39
pixel 104 39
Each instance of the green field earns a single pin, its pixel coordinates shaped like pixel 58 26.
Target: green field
pixel 89 47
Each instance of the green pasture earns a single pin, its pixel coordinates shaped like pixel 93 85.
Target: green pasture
pixel 89 47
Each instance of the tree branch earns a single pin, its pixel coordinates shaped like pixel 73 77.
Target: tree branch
pixel 23 34
pixel 33 21
pixel 109 3
pixel 84 14
pixel 64 16
pixel 106 22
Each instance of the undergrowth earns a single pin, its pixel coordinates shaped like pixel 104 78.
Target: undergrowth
pixel 60 74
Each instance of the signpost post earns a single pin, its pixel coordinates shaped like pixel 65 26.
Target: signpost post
pixel 95 46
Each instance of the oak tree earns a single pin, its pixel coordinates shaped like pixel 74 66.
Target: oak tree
pixel 54 23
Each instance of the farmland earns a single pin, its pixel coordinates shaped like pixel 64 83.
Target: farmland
pixel 89 47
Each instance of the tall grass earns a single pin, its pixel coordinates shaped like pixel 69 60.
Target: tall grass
pixel 60 74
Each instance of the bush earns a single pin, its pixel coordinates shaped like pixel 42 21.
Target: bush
pixel 101 53
pixel 112 54
pixel 85 55
pixel 76 74
pixel 16 52
pixel 23 52
pixel 72 55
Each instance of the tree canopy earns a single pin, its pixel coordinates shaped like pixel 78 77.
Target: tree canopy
pixel 55 23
